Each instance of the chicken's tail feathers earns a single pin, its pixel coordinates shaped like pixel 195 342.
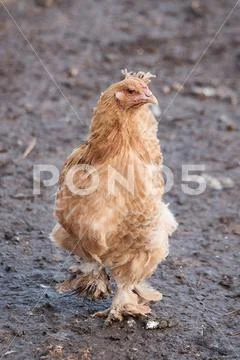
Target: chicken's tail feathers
pixel 145 76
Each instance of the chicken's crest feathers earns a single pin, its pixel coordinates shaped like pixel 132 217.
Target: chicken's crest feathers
pixel 146 77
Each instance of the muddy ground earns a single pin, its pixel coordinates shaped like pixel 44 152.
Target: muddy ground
pixel 199 280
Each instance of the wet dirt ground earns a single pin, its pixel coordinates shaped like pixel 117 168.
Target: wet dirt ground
pixel 80 47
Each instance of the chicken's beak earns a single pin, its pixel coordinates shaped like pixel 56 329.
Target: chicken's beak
pixel 149 98
pixel 152 99
pixel 146 97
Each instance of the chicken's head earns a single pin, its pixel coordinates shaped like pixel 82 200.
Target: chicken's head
pixel 133 92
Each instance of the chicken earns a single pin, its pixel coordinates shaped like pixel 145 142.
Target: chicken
pixel 109 204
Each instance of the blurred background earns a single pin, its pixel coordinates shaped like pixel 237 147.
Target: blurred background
pixel 56 56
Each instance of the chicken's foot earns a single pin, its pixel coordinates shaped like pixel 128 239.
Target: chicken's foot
pixel 126 303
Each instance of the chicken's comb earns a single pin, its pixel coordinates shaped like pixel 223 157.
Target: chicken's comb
pixel 140 74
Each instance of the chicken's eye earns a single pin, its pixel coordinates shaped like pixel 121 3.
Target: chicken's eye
pixel 131 91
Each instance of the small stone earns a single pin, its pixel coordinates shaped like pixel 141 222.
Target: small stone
pixel 9 268
pixel 28 108
pixel 44 286
pixel 9 352
pixel 56 351
pixel 16 238
pixel 131 323
pixel 166 89
pixel 212 182
pixel 73 71
pixel 8 235
pixel 4 160
pixel 227 182
pixel 177 87
pixel 235 228
pixel 207 91
pixel 180 277
pixel 21 196
pixel 45 3
pixel 161 323
pixel 114 337
pixel 140 51
pixel 58 278
pixel 226 281
pixel 152 324
pixel 227 94
pixel 227 123
pixel 197 9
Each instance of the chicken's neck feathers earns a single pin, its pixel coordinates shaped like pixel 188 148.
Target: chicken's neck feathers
pixel 117 134
pixel 114 131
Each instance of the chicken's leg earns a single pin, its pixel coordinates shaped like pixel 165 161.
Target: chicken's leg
pixel 133 294
pixel 126 302
pixel 90 278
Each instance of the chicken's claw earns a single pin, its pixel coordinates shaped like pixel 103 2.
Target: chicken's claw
pixel 117 313
pixel 101 314
pixel 111 315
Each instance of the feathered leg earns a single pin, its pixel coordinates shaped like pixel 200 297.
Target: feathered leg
pixel 92 282
pixel 146 293
pixel 89 278
pixel 133 294
pixel 126 302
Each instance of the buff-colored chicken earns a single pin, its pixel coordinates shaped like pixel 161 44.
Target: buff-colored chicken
pixel 109 203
